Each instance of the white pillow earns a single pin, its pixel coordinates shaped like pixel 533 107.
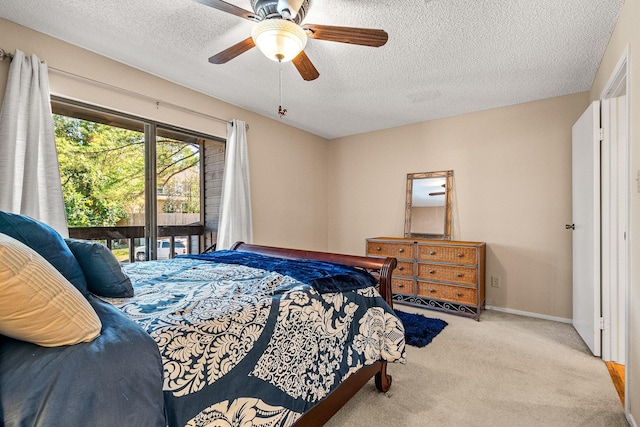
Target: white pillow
pixel 37 304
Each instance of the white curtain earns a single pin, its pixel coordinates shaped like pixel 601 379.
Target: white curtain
pixel 29 174
pixel 235 208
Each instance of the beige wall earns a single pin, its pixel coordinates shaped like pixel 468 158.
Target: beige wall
pixel 512 189
pixel 627 35
pixel 288 166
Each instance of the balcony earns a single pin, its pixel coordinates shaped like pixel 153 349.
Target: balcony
pixel 195 234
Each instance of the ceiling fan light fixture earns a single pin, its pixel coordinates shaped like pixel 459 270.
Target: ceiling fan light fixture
pixel 279 39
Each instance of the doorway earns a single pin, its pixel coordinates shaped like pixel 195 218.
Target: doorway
pixel 601 217
pixel 615 178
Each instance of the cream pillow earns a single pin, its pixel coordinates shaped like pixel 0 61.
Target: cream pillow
pixel 37 304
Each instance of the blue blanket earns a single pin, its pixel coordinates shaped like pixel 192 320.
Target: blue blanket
pixel 325 277
pixel 114 380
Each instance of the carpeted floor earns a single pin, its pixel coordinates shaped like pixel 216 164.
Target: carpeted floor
pixel 505 370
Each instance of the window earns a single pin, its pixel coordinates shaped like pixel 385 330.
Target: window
pixel 106 160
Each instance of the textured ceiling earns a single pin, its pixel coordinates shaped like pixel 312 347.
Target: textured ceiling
pixel 443 57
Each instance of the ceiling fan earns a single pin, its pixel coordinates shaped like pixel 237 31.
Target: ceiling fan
pixel 280 35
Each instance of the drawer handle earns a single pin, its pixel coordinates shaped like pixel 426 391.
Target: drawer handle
pixel 432 252
pixel 432 272
pixel 459 255
pixel 432 290
pixel 400 268
pixel 378 248
pixel 459 274
pixel 458 294
pixel 400 250
pixel 401 285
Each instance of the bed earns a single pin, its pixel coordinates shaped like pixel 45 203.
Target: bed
pixel 252 336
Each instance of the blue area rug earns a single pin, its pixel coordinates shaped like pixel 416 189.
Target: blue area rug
pixel 418 329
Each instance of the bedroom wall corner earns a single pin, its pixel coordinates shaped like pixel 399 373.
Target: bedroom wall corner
pixel 512 189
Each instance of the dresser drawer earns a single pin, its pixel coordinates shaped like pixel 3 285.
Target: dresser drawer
pixel 458 294
pixel 401 285
pixel 392 249
pixel 453 254
pixel 404 268
pixel 448 273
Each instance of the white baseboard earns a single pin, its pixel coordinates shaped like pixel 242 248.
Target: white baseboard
pixel 632 422
pixel 529 314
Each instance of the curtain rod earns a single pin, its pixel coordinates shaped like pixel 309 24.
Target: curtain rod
pixel 6 55
pixel 143 97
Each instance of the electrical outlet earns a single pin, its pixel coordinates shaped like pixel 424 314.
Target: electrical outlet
pixel 495 282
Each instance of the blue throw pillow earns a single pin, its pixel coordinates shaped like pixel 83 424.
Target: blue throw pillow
pixel 101 269
pixel 47 242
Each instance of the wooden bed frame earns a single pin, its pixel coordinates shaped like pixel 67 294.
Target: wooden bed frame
pixel 326 408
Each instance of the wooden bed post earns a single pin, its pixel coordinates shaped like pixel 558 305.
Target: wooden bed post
pixel 385 279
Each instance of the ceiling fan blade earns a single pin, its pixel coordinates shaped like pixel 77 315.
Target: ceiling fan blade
pixel 230 8
pixel 231 52
pixel 352 35
pixel 305 67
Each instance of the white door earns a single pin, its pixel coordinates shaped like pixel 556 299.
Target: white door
pixel 586 222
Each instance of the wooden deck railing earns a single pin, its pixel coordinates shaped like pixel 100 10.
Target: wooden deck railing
pixel 130 233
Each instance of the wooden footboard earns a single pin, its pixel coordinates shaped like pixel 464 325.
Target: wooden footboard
pixel 324 410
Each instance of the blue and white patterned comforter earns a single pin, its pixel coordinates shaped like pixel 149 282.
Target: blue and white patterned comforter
pixel 246 346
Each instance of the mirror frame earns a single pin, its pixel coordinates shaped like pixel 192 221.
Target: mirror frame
pixel 448 197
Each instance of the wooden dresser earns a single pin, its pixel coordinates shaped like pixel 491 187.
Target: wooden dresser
pixel 442 275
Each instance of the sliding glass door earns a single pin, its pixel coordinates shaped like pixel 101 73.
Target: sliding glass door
pixel 137 185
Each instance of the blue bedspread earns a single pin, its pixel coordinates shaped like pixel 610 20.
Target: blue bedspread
pixel 243 345
pixel 323 276
pixel 114 380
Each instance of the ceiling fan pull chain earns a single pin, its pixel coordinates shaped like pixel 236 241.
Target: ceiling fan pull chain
pixel 281 111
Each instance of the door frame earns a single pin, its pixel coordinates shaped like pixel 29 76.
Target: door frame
pixel 615 206
pixel 617 85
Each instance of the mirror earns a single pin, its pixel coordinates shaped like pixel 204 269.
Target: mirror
pixel 428 210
